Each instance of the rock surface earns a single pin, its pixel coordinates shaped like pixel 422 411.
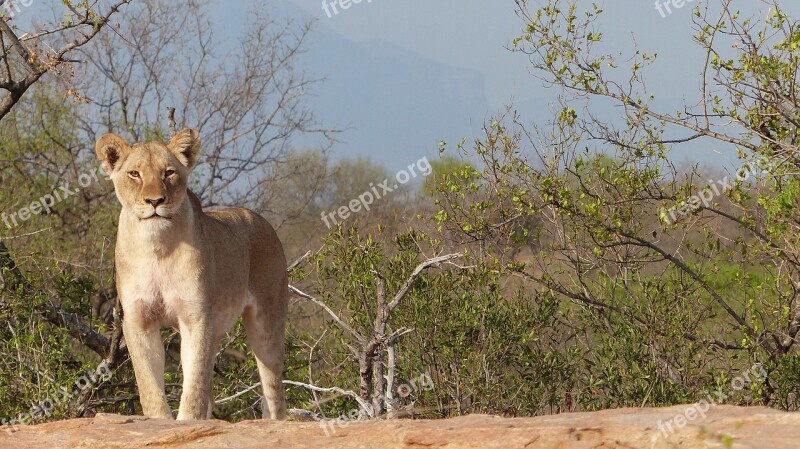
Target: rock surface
pixel 717 427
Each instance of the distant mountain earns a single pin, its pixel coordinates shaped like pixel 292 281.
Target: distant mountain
pixel 396 103
pixel 399 103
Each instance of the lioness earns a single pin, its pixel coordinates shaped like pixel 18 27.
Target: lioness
pixel 198 272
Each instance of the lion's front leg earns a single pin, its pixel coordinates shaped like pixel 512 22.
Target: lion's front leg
pixel 147 354
pixel 197 358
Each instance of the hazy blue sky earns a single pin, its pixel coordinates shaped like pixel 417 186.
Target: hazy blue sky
pixel 474 35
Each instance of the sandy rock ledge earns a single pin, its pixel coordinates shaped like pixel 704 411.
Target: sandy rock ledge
pixel 723 427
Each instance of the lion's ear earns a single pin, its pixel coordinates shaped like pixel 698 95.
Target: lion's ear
pixel 110 148
pixel 186 146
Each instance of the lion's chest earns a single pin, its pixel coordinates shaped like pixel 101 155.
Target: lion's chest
pixel 161 289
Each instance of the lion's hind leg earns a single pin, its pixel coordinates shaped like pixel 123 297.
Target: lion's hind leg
pixel 265 335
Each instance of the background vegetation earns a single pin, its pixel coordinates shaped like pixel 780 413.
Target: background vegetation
pixel 534 272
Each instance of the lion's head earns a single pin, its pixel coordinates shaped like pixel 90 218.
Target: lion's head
pixel 150 178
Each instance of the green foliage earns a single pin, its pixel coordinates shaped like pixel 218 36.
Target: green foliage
pixel 444 168
pixel 473 340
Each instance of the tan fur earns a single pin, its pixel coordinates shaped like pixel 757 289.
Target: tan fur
pixel 198 272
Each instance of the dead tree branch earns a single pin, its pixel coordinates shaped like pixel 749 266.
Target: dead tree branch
pixel 72 34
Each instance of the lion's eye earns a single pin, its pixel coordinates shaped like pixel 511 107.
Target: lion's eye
pixel 169 173
pixel 133 174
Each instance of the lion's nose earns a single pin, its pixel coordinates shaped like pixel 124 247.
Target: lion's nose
pixel 155 202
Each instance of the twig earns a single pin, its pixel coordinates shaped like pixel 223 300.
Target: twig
pixel 397 334
pixel 298 261
pixel 333 314
pixel 173 127
pixel 417 272
pixel 25 235
pixel 311 365
pixel 238 395
pixel 364 405
pixel 391 368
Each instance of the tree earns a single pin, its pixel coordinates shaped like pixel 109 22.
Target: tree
pixel 414 329
pixel 648 256
pixel 248 104
pixel 47 49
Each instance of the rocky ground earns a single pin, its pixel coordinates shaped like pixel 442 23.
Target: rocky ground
pixel 674 427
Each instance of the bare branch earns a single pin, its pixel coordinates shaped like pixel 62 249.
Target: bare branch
pixel 49 62
pixel 360 338
pixel 173 127
pixel 415 274
pixel 298 261
pixel 239 394
pixel 364 405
